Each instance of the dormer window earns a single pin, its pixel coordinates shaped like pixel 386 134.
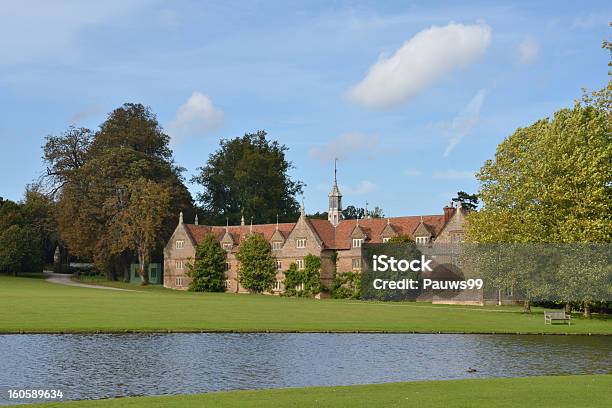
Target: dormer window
pixel 227 246
pixel 276 245
pixel 357 242
pixel 300 243
pixel 422 240
pixel 385 240
pixel 180 244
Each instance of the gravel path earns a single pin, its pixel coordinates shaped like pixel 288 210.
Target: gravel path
pixel 65 279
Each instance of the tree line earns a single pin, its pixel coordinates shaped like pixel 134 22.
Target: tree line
pixel 112 196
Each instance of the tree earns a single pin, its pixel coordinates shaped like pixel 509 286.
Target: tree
pixel 133 126
pixel 65 154
pixel 257 264
pixel 248 175
pixel 20 239
pixel 352 213
pixel 468 201
pixel 137 226
pixel 208 270
pixel 304 282
pixel 94 194
pixel 551 183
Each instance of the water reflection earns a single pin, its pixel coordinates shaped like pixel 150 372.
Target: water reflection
pixel 101 366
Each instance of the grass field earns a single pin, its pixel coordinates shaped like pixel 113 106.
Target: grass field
pixel 34 305
pixel 566 391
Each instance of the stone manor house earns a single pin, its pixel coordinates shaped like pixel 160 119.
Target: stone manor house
pixel 291 242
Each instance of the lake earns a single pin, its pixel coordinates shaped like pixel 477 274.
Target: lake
pixel 103 366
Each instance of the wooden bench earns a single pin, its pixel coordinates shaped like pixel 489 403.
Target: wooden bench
pixel 550 317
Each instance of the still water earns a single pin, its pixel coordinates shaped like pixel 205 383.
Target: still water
pixel 102 366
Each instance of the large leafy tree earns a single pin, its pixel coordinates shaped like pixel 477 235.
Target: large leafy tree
pixel 552 183
pixel 96 192
pixel 248 175
pixel 208 270
pixel 257 264
pixel 138 224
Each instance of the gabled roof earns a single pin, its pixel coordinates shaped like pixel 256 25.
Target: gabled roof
pixel 237 232
pixel 330 237
pixel 340 236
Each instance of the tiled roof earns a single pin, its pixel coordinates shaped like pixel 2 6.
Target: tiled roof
pixel 373 227
pixel 331 237
pixel 238 232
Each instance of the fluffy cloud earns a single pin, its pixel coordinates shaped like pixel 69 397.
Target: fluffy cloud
pixel 453 175
pixel 196 116
pixel 466 121
pixel 344 146
pixel 422 60
pixel 527 51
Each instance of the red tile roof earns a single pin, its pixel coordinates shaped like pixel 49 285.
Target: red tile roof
pixel 338 237
pixel 238 232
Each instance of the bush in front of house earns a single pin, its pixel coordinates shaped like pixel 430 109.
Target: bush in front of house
pixel 207 272
pixel 304 282
pixel 257 264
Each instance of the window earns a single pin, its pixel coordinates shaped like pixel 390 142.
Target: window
pixel 457 237
pixel 278 285
pixel 385 240
pixel 279 265
pixel 300 243
pixel 227 283
pixel 422 240
pixel 179 264
pixel 276 245
pixel 153 273
pixel 227 246
pixel 178 281
pixel 300 286
pixel 227 266
pixel 357 242
pixel 356 263
pixel 179 244
pixel 299 263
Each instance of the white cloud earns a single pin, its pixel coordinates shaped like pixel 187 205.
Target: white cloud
pixel 465 121
pixel 196 116
pixel 363 187
pixel 344 146
pixel 453 175
pixel 412 173
pixel 422 60
pixel 527 51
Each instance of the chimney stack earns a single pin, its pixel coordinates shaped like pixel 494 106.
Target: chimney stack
pixel 449 211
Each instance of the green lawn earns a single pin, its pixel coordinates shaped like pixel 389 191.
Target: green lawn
pixel 566 391
pixel 34 305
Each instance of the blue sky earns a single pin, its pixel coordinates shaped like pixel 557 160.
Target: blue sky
pixel 411 96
